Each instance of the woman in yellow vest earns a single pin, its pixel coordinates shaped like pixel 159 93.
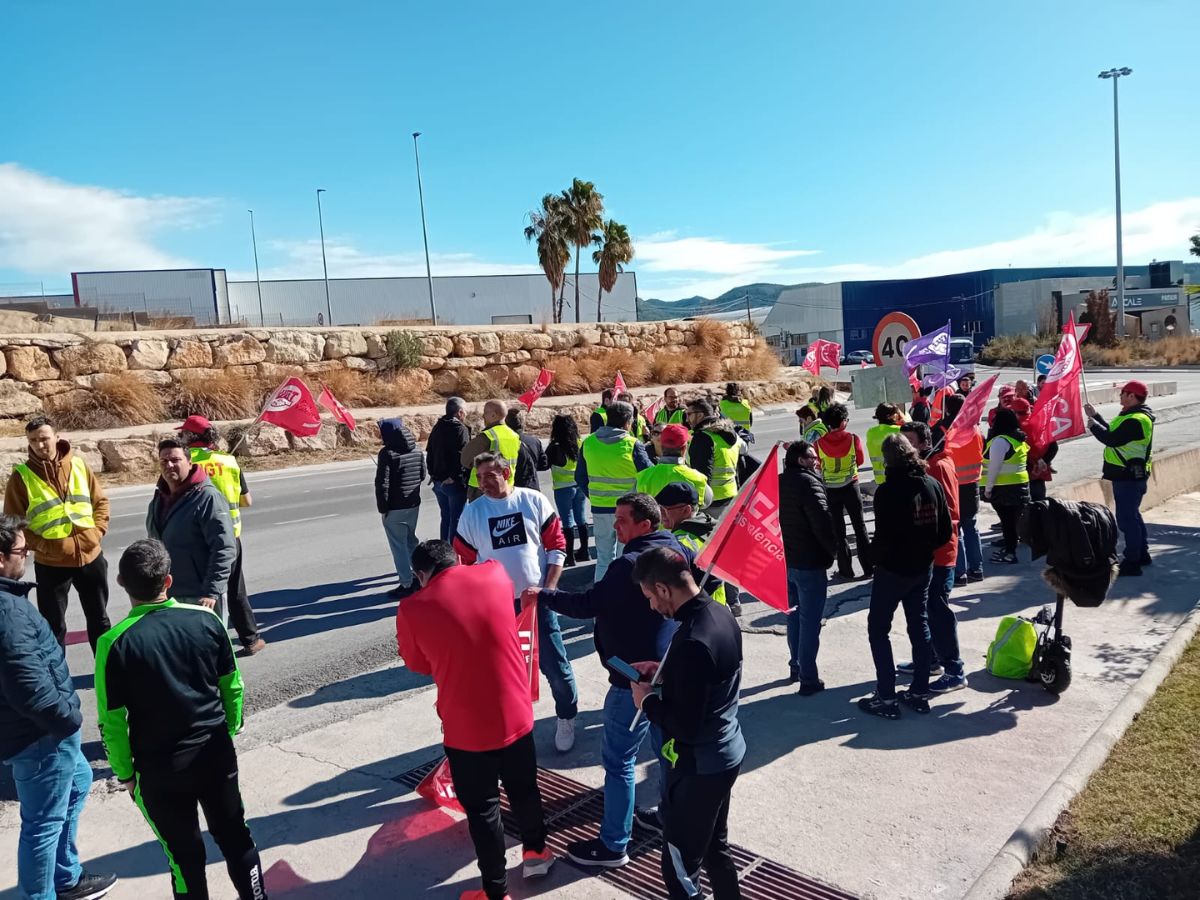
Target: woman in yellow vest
pixel 888 419
pixel 570 498
pixel 735 409
pixel 1007 489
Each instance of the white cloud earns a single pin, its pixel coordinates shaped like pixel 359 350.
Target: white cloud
pixel 1158 231
pixel 50 227
pixel 663 252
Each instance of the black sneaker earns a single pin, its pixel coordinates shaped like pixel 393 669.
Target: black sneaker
pixel 906 668
pixel 885 709
pixel 404 590
pixel 1127 568
pixel 595 853
pixel 88 887
pixel 648 819
pixel 977 575
pixel 793 674
pixel 918 703
pixel 1001 557
pixel 960 581
pixel 736 609
pixel 1146 560
pixel 808 688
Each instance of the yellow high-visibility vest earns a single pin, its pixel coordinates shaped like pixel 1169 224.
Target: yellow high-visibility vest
pixel 839 471
pixel 506 442
pixel 654 479
pixel 611 471
pixel 225 472
pixel 1015 468
pixel 1136 450
pixel 671 416
pixel 875 437
pixel 723 480
pixel 50 516
pixel 737 411
pixel 564 476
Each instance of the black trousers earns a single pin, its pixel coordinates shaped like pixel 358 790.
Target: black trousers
pixel 477 779
pixel 241 616
pixel 54 587
pixel 695 817
pixel 1037 489
pixel 169 797
pixel 847 501
pixel 1010 517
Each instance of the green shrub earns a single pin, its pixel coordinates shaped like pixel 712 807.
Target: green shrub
pixel 405 349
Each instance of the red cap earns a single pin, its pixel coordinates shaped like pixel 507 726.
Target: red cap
pixel 1138 388
pixel 1020 406
pixel 195 424
pixel 674 436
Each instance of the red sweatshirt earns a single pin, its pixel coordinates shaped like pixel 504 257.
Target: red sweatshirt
pixel 940 467
pixel 460 629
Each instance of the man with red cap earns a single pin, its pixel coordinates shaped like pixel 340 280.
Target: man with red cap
pixel 671 469
pixel 224 471
pixel 1128 441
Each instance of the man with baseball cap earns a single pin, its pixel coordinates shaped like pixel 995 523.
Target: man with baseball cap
pixel 1128 441
pixel 671 469
pixel 225 472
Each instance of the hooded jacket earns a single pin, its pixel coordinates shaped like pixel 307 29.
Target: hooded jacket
pixel 805 520
pixel 78 548
pixel 837 444
pixel 194 525
pixel 531 459
pixel 609 435
pixel 443 451
pixel 1127 432
pixel 700 450
pixel 626 626
pixel 400 470
pixel 37 697
pixel 911 522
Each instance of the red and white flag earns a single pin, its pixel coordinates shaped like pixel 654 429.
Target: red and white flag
pixel 822 353
pixel 438 787
pixel 967 420
pixel 334 405
pixel 1058 411
pixel 527 632
pixel 863 364
pixel 538 388
pixel 747 547
pixel 619 384
pixel 292 408
pixel 652 410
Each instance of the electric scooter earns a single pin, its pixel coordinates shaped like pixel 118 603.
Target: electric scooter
pixel 1052 656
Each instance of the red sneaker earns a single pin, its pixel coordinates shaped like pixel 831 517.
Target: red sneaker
pixel 478 895
pixel 537 865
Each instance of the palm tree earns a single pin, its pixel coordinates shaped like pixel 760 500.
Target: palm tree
pixel 616 251
pixel 585 213
pixel 548 227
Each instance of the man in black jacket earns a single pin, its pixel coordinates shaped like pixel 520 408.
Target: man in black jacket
pixel 399 474
pixel 696 709
pixel 532 457
pixel 912 521
pixel 443 451
pixel 39 738
pixel 810 547
pixel 630 630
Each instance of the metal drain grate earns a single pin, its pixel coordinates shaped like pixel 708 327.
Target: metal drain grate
pixel 573 811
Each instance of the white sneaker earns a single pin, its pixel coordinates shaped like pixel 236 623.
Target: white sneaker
pixel 564 735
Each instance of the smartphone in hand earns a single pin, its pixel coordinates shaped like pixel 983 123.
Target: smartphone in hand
pixel 619 665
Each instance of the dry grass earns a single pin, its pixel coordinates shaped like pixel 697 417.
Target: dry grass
pixel 115 400
pixel 1172 351
pixel 712 337
pixel 360 389
pixel 761 365
pixel 219 396
pixel 473 385
pixel 567 380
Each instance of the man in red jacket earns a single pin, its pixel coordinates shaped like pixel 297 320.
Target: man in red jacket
pixel 473 652
pixel 943 629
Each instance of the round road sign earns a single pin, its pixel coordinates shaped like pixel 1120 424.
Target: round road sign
pixel 892 333
pixel 1043 364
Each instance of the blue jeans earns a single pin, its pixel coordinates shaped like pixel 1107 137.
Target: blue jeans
pixel 807 590
pixel 943 627
pixel 970 547
pixel 52 779
pixel 571 502
pixel 1128 497
pixel 888 591
pixel 608 547
pixel 400 525
pixel 618 754
pixel 554 663
pixel 451 499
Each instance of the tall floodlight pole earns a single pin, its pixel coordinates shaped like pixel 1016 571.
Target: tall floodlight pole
pixel 262 319
pixel 324 265
pixel 424 233
pixel 1116 75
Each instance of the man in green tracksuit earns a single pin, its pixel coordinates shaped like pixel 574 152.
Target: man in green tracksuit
pixel 170 700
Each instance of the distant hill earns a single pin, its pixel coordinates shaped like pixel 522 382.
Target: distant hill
pixel 758 294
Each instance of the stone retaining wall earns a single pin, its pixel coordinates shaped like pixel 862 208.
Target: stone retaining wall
pixel 36 366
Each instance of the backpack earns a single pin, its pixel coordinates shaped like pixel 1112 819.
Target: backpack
pixel 1010 655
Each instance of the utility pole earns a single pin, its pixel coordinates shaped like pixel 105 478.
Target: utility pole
pixel 749 321
pixel 262 319
pixel 324 265
pixel 424 233
pixel 1116 75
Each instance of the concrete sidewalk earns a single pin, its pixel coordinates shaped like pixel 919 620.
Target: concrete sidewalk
pixel 888 810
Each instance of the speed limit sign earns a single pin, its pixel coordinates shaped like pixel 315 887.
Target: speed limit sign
pixel 892 334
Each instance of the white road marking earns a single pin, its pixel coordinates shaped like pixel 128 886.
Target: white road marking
pixel 309 519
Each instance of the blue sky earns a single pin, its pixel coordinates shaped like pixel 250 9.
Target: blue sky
pixel 778 141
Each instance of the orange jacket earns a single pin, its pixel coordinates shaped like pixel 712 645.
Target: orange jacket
pixel 940 467
pixel 968 459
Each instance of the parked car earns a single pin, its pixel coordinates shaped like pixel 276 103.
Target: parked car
pixel 857 357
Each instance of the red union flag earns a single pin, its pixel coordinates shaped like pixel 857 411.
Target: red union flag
pixel 291 407
pixel 822 353
pixel 619 384
pixel 331 403
pixel 747 547
pixel 967 420
pixel 1058 411
pixel 438 787
pixel 527 633
pixel 538 388
pixel 652 410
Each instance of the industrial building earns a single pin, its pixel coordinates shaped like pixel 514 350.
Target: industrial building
pixel 979 305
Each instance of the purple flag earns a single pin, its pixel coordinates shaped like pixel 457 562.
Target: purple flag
pixel 929 349
pixel 939 379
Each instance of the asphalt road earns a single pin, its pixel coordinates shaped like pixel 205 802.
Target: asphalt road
pixel 318 566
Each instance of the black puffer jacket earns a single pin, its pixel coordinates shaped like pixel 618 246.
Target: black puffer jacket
pixel 804 518
pixel 401 469
pixel 444 449
pixel 37 697
pixel 1079 541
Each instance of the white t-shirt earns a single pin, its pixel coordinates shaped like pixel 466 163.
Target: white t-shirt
pixel 521 532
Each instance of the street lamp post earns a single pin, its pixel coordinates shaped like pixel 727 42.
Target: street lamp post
pixel 1116 75
pixel 324 265
pixel 424 233
pixel 262 319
